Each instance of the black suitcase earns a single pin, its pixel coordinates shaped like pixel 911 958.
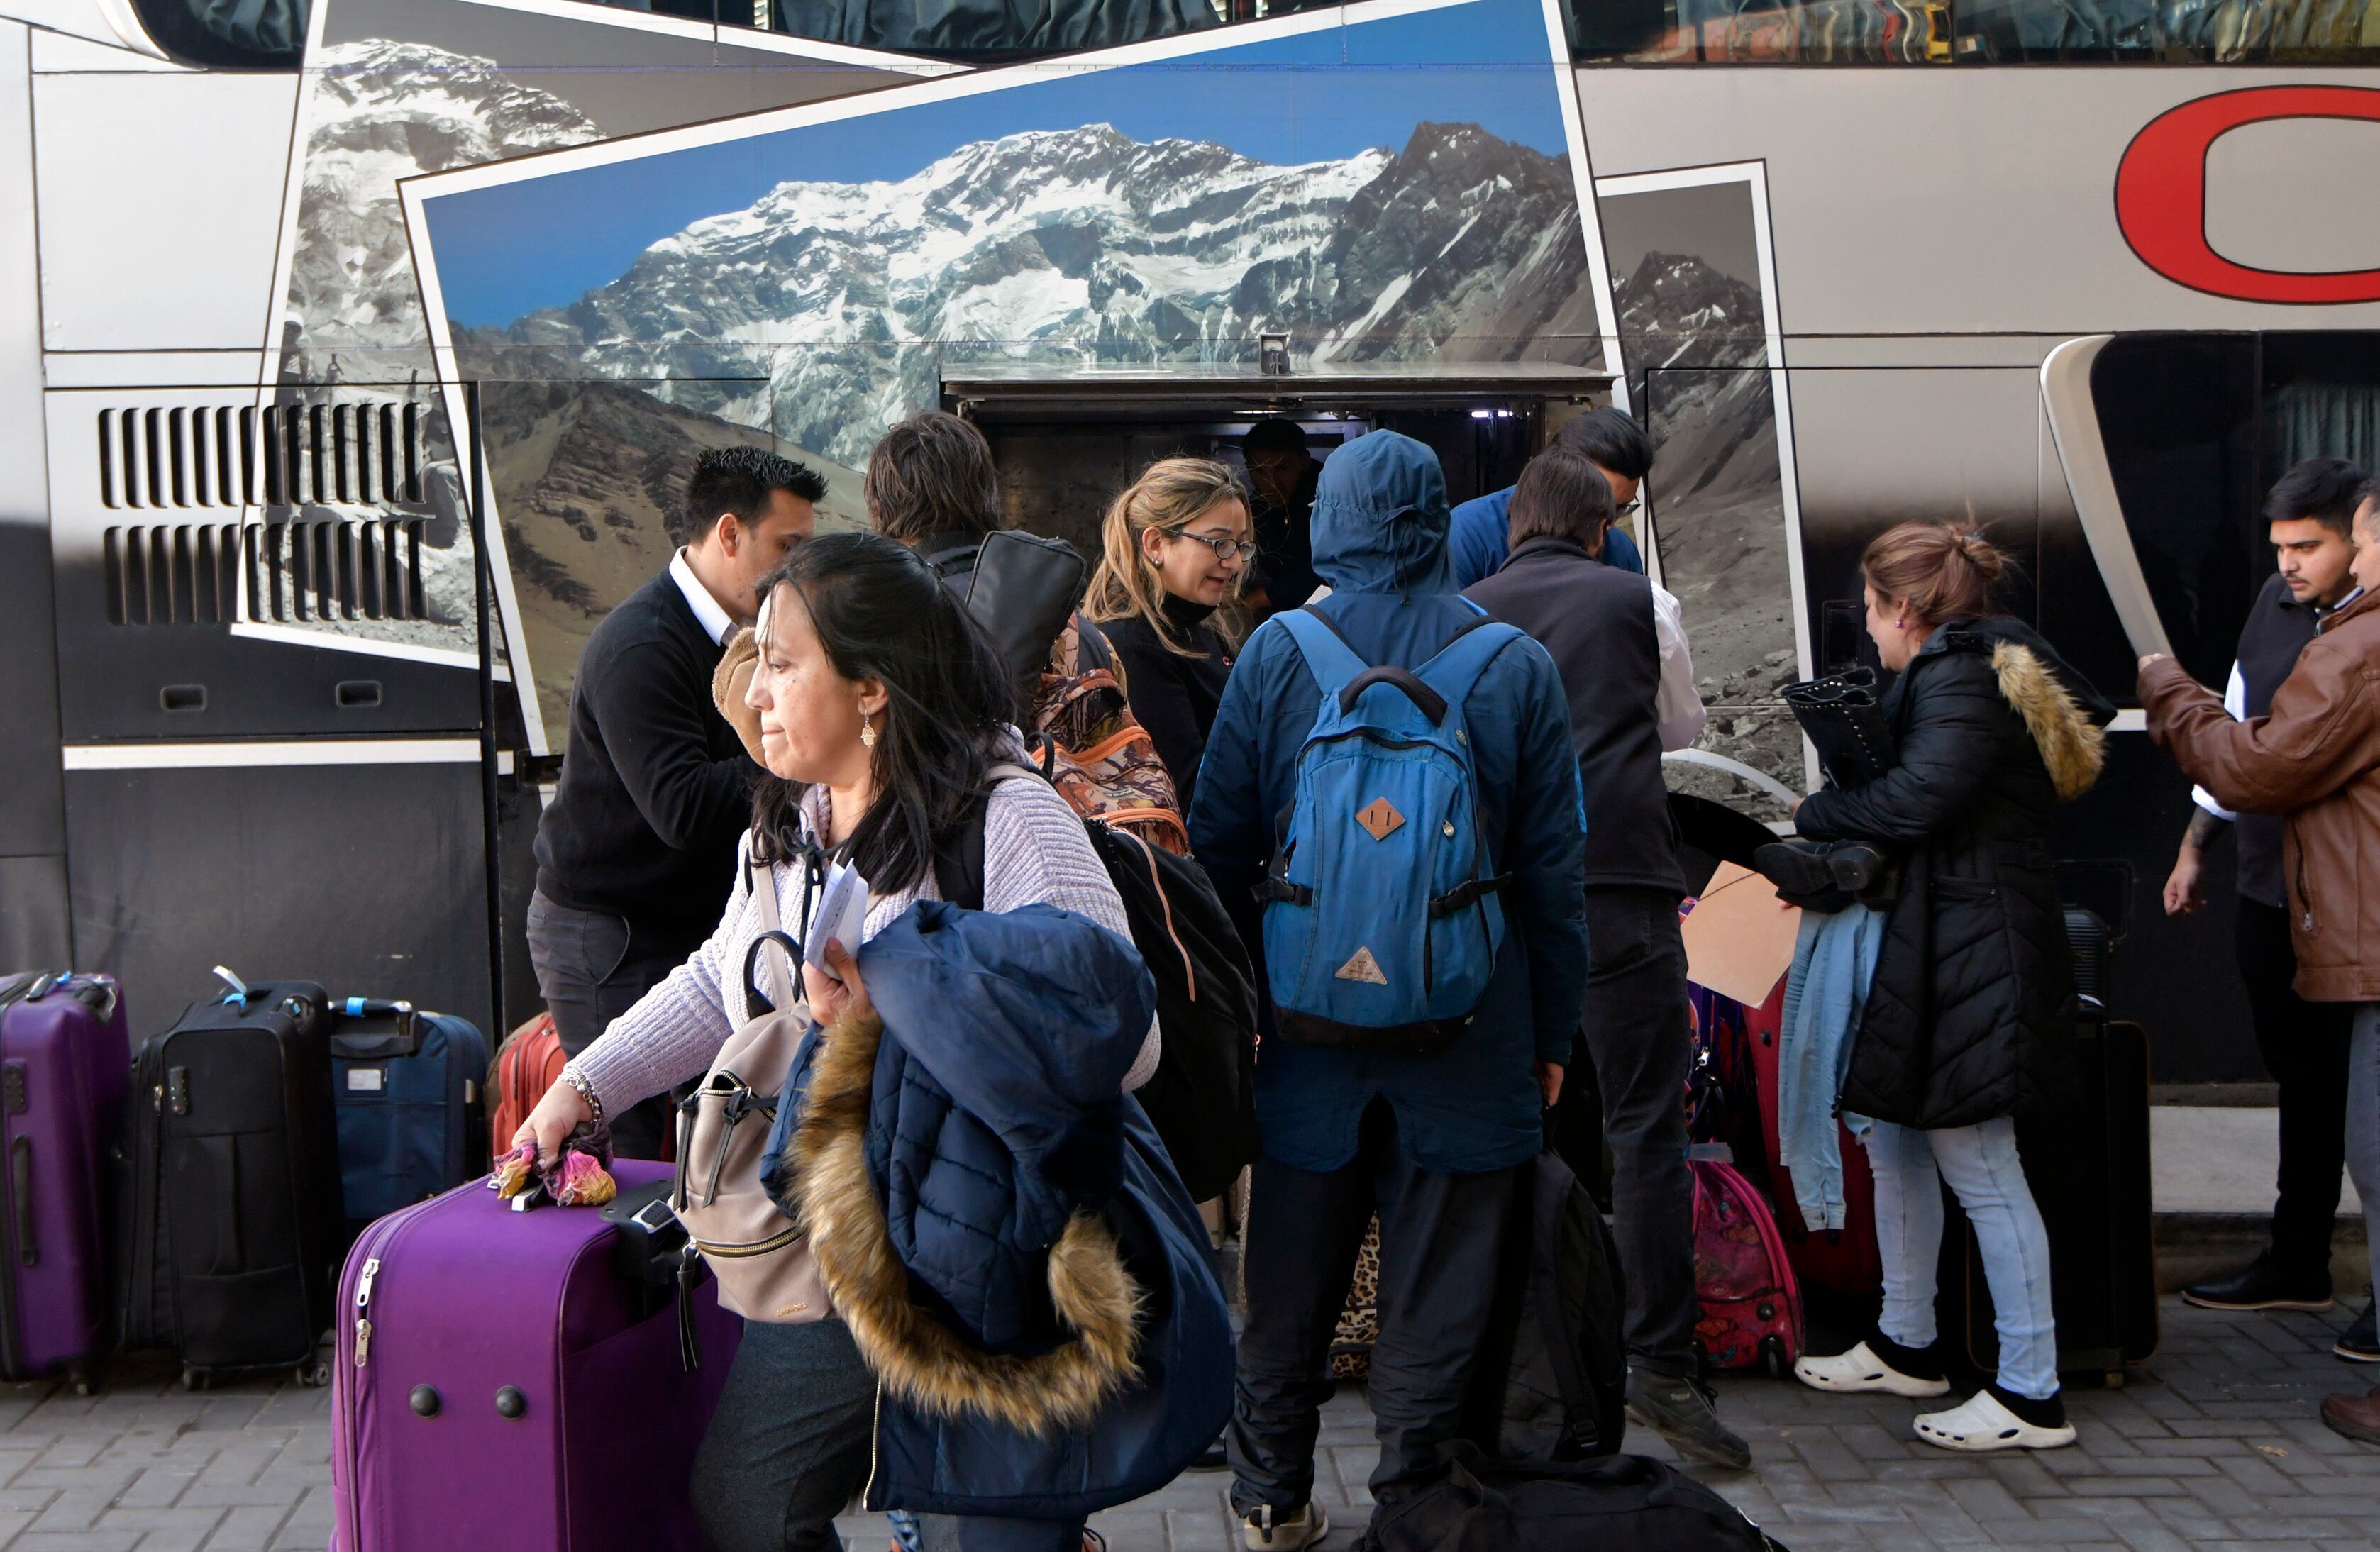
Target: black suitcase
pixel 2088 1166
pixel 232 1220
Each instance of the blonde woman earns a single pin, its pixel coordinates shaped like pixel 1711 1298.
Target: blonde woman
pixel 1175 547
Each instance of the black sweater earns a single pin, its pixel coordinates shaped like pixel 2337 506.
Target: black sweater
pixel 1173 697
pixel 656 788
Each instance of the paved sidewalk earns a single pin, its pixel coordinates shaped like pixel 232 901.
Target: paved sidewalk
pixel 2214 1447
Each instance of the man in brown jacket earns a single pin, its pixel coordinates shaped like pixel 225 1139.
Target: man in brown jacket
pixel 2316 760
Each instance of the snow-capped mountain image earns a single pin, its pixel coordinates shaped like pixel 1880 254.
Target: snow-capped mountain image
pixel 382 111
pixel 823 308
pixel 1697 355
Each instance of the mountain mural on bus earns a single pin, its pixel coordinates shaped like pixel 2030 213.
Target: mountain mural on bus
pixel 1384 182
pixel 826 310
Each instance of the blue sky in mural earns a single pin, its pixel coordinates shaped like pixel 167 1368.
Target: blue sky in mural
pixel 545 241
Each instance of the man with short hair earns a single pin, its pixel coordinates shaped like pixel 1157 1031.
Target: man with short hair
pixel 1613 444
pixel 636 854
pixel 1432 1139
pixel 2314 759
pixel 2310 512
pixel 1622 652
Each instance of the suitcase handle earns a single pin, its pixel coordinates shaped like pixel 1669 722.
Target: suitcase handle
pixel 394 1030
pixel 20 1192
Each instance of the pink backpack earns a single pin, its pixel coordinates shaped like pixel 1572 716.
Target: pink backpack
pixel 1752 1307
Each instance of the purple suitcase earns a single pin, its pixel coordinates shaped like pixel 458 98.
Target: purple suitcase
pixel 65 1066
pixel 491 1375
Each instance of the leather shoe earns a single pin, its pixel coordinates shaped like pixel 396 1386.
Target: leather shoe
pixel 2355 1417
pixel 2263 1286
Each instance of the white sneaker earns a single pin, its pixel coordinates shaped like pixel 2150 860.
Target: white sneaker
pixel 1861 1369
pixel 1983 1423
pixel 1266 1531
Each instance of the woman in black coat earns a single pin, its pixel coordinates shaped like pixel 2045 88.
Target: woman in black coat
pixel 1970 1016
pixel 1175 548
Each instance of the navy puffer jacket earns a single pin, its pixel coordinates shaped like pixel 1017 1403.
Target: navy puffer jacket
pixel 1000 1226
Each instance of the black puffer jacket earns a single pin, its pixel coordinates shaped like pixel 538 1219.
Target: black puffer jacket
pixel 1971 1012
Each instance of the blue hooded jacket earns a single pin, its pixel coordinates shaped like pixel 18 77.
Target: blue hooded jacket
pixel 999 1225
pixel 1379 532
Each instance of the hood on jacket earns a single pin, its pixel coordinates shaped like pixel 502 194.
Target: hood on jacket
pixel 1029 1020
pixel 2066 716
pixel 1380 518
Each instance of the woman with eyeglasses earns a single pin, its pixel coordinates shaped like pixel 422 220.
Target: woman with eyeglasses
pixel 1176 546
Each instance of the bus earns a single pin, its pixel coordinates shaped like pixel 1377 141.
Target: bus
pixel 373 336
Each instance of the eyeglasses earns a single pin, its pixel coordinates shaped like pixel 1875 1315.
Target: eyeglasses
pixel 1225 547
pixel 1631 504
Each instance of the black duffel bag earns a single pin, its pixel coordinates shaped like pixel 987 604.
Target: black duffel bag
pixel 1620 1503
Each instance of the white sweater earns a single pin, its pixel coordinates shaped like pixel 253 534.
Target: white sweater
pixel 1034 852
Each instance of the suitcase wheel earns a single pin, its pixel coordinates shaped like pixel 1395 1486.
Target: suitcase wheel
pixel 80 1375
pixel 313 1375
pixel 192 1379
pixel 1773 1362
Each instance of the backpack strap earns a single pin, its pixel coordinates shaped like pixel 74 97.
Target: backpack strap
pixel 958 864
pixel 1455 671
pixel 1327 656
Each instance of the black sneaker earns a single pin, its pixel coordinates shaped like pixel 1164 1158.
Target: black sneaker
pixel 1680 1411
pixel 2263 1286
pixel 2359 1343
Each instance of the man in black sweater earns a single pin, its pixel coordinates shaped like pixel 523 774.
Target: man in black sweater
pixel 636 854
pixel 2304 1045
pixel 1621 649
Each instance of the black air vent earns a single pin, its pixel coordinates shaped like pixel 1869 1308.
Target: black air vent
pixel 189 574
pixel 335 454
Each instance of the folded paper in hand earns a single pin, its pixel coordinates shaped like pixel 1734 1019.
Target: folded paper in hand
pixel 842 917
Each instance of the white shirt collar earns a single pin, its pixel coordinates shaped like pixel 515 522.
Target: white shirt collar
pixel 698 598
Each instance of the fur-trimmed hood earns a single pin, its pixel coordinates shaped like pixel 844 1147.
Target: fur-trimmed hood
pixel 999 1226
pixel 920 1359
pixel 2067 717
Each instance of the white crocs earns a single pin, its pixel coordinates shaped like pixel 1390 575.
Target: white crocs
pixel 1861 1369
pixel 1982 1423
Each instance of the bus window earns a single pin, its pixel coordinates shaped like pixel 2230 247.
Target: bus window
pixel 982 31
pixel 1975 31
pixel 229 34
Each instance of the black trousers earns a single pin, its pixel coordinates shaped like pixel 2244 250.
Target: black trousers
pixel 591 967
pixel 1637 1048
pixel 2304 1047
pixel 1439 1240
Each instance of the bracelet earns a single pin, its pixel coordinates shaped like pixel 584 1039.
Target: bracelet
pixel 578 1080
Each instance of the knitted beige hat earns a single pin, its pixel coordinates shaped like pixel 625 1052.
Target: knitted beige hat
pixel 728 683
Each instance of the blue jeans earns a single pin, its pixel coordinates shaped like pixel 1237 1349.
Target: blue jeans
pixel 1980 1163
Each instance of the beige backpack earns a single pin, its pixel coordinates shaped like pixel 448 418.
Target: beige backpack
pixel 760 1255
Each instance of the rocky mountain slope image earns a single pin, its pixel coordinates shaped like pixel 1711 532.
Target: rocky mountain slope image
pixel 830 305
pixel 1697 355
pixel 382 111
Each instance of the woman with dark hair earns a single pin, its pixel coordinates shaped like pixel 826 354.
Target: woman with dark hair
pixel 880 712
pixel 1969 1016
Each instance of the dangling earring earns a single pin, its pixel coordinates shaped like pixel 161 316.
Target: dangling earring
pixel 867 729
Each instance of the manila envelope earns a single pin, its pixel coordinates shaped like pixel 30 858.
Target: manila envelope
pixel 1740 936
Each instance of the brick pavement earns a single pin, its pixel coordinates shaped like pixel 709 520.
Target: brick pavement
pixel 2214 1447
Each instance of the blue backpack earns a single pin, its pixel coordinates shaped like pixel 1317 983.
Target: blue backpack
pixel 1381 923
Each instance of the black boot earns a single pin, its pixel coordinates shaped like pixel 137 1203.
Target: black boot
pixel 2263 1285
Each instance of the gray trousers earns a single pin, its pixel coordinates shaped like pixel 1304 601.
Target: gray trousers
pixel 790 1445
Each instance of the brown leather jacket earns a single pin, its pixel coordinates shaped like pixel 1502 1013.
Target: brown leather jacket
pixel 2316 760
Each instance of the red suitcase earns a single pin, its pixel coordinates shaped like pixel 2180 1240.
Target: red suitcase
pixel 1842 1261
pixel 66 1064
